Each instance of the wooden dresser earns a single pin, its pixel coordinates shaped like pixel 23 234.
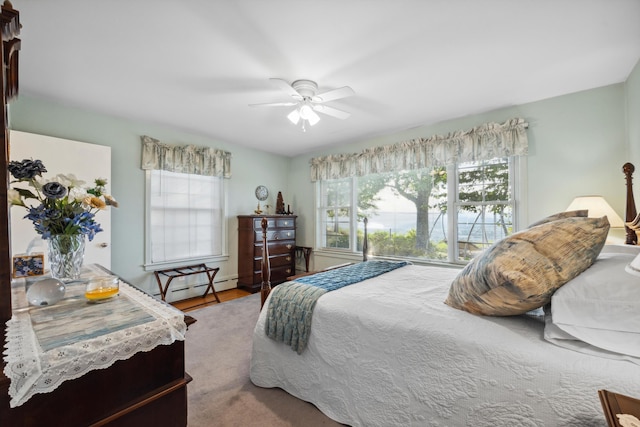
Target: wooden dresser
pixel 281 235
pixel 147 388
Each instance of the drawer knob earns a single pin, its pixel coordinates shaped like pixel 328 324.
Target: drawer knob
pixel 288 270
pixel 288 258
pixel 289 246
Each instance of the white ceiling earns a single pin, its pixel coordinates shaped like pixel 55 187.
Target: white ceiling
pixel 196 65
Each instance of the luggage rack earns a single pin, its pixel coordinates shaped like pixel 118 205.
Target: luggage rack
pixel 187 270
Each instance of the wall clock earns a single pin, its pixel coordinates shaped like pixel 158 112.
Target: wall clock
pixel 262 193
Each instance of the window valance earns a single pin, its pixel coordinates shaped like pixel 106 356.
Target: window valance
pixel 483 142
pixel 185 159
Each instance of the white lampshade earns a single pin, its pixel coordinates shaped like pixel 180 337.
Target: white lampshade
pixel 634 266
pixel 597 207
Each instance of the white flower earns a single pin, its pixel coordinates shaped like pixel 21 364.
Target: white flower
pixel 69 180
pixel 77 194
pixel 14 197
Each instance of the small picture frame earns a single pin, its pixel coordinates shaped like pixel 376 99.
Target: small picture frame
pixel 28 265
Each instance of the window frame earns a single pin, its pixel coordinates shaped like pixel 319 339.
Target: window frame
pixel 321 214
pixel 517 183
pixel 150 265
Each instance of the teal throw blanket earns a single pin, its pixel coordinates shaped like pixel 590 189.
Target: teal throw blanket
pixel 291 305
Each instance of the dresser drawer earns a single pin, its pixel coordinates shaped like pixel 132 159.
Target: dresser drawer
pixel 274 261
pixel 275 235
pixel 274 223
pixel 278 275
pixel 276 248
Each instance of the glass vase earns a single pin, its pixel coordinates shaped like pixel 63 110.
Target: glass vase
pixel 66 253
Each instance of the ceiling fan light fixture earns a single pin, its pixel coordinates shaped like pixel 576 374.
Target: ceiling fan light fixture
pixel 313 119
pixel 304 113
pixel 307 113
pixel 294 116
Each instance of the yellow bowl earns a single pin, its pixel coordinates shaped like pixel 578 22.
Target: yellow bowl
pixel 101 288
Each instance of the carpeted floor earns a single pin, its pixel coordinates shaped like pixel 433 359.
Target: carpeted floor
pixel 218 353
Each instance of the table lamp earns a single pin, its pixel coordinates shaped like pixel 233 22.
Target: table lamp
pixel 598 207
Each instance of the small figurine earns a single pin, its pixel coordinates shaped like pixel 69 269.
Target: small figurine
pixel 258 211
pixel 280 204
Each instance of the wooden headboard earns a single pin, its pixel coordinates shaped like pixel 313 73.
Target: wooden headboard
pixel 631 214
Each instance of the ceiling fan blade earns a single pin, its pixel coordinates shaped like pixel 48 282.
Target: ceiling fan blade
pixel 330 95
pixel 274 104
pixel 333 112
pixel 287 88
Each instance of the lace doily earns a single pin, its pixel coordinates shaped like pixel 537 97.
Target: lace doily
pixel 48 345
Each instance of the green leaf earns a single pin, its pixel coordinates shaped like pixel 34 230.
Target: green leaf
pixel 25 193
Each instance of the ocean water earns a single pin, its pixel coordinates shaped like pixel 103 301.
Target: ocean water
pixel 402 222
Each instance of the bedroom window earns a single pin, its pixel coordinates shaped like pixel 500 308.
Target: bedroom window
pixel 484 205
pixel 416 206
pixel 185 217
pixel 415 214
pixel 335 213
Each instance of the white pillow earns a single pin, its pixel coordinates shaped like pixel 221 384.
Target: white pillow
pixel 557 336
pixel 601 306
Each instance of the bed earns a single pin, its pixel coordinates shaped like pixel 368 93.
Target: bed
pixel 387 351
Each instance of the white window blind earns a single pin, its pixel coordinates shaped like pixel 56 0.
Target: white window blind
pixel 185 217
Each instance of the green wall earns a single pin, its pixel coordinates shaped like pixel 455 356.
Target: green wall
pixel 632 88
pixel 578 144
pixel 250 168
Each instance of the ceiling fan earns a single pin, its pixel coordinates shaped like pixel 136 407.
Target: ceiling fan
pixel 308 101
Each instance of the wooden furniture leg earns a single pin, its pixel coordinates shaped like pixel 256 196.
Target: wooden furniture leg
pixel 306 253
pixel 630 212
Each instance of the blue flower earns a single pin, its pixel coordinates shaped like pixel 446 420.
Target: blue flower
pixel 26 169
pixel 64 206
pixel 54 190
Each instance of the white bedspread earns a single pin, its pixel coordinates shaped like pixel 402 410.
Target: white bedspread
pixel 389 352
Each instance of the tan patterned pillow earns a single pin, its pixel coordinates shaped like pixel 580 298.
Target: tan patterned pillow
pixel 521 272
pixel 561 215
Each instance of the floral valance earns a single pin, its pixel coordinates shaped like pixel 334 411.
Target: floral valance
pixel 185 159
pixel 483 142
